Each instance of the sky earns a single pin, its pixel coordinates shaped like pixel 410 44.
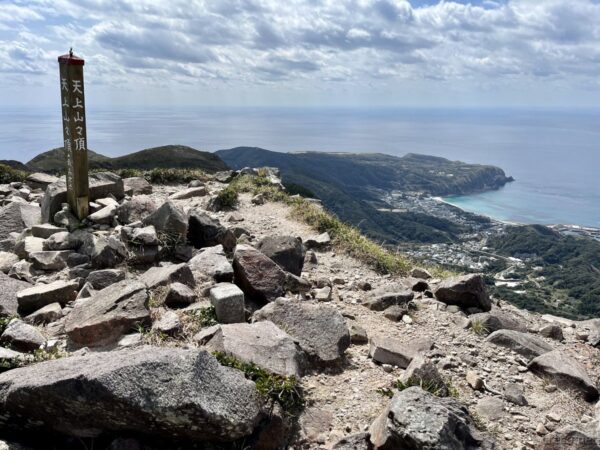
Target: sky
pixel 315 53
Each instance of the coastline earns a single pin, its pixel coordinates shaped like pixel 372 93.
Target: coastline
pixel 493 219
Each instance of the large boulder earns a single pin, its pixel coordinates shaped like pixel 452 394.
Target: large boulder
pixel 287 251
pixel 50 260
pixel 8 294
pixel 258 276
pixel 497 319
pixel 102 184
pixel 137 208
pixel 150 391
pixel 104 252
pixel 169 220
pixel 565 372
pixel 204 231
pixel 320 330
pixel 100 279
pixel 15 217
pixel 386 350
pixel 136 186
pixel 522 343
pixel 36 297
pixel 416 419
pixel 163 276
pixel 40 180
pixel 212 261
pixel 261 343
pixel 467 291
pixel 423 371
pixel 109 314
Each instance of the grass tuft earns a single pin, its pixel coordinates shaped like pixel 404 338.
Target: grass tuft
pixel 479 327
pixel 275 388
pixel 437 389
pixel 9 175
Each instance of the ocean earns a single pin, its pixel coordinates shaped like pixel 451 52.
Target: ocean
pixel 554 155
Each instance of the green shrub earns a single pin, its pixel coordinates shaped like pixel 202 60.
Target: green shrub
pixel 275 388
pixel 9 175
pixel 227 198
pixel 437 389
pixel 167 176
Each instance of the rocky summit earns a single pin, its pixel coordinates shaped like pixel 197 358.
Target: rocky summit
pixel 227 313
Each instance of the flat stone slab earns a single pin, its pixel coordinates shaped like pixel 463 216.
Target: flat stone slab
pixel 522 343
pixel 36 297
pixel 385 350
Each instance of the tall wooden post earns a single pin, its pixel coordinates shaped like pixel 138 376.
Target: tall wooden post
pixel 74 132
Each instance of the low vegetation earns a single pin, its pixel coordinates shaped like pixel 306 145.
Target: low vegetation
pixel 275 388
pixel 478 327
pixel 439 390
pixel 10 175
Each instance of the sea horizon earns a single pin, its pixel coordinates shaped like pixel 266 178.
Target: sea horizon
pixel 552 153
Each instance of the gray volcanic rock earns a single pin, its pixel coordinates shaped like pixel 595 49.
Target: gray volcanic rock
pixel 570 438
pixel 198 191
pixel 386 350
pixel 45 230
pixel 162 276
pixel 109 314
pixel 467 291
pixel 564 372
pixel 522 343
pixel 100 279
pixel 8 294
pixel 50 260
pixel 228 300
pixel 15 217
pixel 138 207
pixel 261 343
pixel 180 295
pixel 497 319
pixel 212 261
pixel 47 314
pixel 204 231
pixel 151 391
pixel 258 276
pixel 36 297
pixel 168 219
pixel 422 370
pixel 22 337
pixel 136 186
pixel 7 260
pixel 39 180
pixel 417 420
pixel 287 251
pixel 320 330
pixel 383 298
pixel 359 441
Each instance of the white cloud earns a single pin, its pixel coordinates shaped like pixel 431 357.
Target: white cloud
pixel 298 42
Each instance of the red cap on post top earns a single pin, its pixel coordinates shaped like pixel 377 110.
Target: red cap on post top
pixel 71 59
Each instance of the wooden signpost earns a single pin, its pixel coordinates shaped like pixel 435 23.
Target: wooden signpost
pixel 74 133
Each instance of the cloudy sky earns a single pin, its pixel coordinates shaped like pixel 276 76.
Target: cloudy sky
pixel 306 52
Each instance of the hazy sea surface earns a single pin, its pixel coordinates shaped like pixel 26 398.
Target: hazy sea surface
pixel 553 155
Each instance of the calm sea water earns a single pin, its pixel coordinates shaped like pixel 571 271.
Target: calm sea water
pixel 554 155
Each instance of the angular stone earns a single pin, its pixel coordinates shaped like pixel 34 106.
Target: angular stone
pixel 514 394
pixel 393 351
pixel 420 273
pixel 286 251
pixel 490 408
pixel 189 193
pixel 47 314
pixel 100 279
pixel 258 276
pixel 108 314
pixel 498 320
pixel 27 245
pixel 383 298
pixel 15 217
pixel 50 260
pixel 474 380
pixel 564 372
pixel 359 441
pixel 45 230
pixel 136 186
pixel 522 343
pixel 323 294
pixel 162 276
pixel 204 231
pixel 317 242
pixel 424 372
pixel 144 236
pixel 105 215
pixel 552 331
pixel 358 335
pixel 415 419
pixel 39 180
pixel 261 343
pixel 7 260
pixel 137 208
pixel 22 337
pixel 170 220
pixel 66 219
pixel 395 312
pixel 467 291
pixel 103 252
pixel 180 295
pixel 23 270
pixel 8 294
pixel 228 300
pixel 146 391
pixel 570 438
pixel 168 323
pixel 36 297
pixel 320 330
pixel 299 285
pixel 59 241
pixel 593 326
pixel 212 261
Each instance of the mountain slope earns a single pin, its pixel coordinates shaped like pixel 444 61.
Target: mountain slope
pixel 351 185
pixel 168 156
